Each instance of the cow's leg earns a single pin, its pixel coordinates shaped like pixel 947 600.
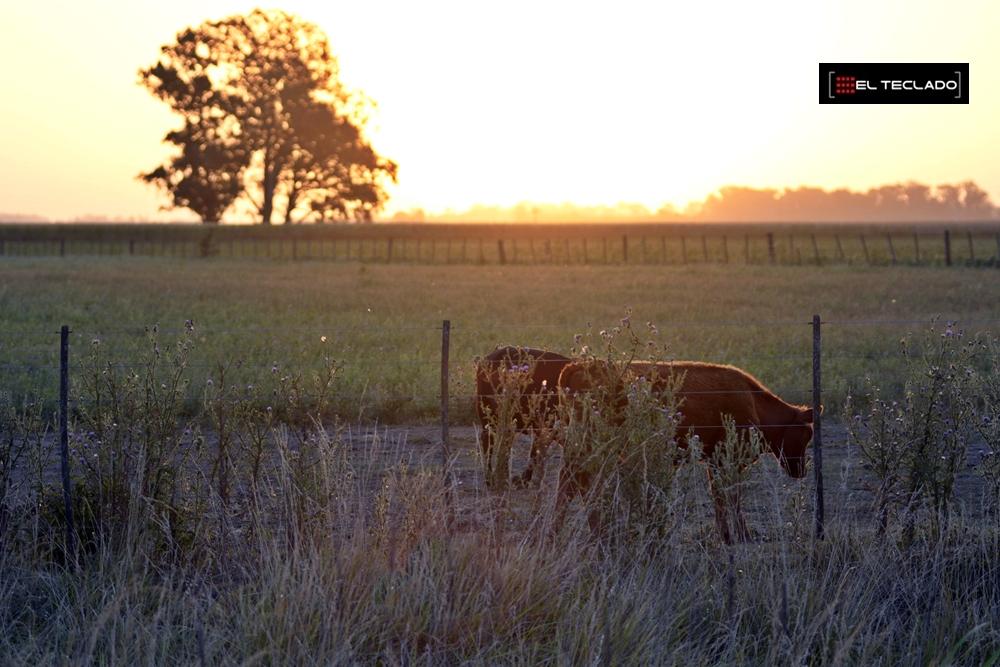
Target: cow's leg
pixel 540 442
pixel 486 441
pixel 721 510
pixel 742 532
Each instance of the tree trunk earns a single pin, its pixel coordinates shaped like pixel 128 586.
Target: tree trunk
pixel 268 208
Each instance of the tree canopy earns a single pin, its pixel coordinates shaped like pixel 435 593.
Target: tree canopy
pixel 265 119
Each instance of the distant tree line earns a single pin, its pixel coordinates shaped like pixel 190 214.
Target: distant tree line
pixel 904 202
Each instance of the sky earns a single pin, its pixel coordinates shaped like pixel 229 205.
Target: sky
pixel 499 103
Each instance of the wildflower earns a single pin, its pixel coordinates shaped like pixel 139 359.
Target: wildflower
pixel 322 339
pixel 189 325
pixel 274 368
pixel 209 382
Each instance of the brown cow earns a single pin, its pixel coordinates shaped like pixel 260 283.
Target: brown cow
pixel 706 393
pixel 532 415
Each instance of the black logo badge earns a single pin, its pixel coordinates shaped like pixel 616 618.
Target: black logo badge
pixel 894 83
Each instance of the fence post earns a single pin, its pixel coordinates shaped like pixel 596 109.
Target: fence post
pixel 817 425
pixel 684 250
pixel 815 249
pixel 64 443
pixel 3 247
pixel 840 248
pixel 864 246
pixel 445 445
pixel 972 249
pixel 746 248
pixel 604 250
pixel 998 249
pixel 892 249
pixel 770 246
pixel 62 247
pixel 625 248
pixel 725 249
pixel 704 247
pixel 947 247
pixel 663 249
pixel 916 248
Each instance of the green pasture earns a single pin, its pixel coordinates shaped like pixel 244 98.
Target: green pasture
pixel 263 321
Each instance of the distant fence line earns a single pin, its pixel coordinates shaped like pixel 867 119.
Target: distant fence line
pixel 970 245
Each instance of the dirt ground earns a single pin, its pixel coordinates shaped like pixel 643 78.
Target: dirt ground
pixel 847 486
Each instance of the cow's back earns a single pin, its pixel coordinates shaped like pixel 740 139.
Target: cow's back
pixel 707 392
pixel 545 367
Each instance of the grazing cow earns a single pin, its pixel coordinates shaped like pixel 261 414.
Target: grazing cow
pixel 538 401
pixel 706 393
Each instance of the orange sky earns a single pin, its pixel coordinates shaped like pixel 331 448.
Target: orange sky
pixel 545 101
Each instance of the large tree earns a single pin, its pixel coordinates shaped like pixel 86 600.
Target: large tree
pixel 265 119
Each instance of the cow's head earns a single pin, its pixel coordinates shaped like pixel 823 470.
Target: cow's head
pixel 792 440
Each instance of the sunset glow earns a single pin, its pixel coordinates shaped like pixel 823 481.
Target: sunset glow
pixel 545 102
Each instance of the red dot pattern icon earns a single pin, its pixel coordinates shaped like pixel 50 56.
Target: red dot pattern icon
pixel 845 85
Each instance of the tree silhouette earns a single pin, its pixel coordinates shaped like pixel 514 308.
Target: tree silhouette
pixel 266 120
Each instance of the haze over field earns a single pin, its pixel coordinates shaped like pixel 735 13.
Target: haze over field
pixel 553 102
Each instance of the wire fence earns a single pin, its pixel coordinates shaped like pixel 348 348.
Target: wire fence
pixel 635 244
pixel 62 381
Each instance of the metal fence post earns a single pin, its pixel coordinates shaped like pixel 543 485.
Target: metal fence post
pixel 64 442
pixel 947 247
pixel 817 425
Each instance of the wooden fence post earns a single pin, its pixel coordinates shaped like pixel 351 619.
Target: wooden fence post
pixel 892 249
pixel 445 445
pixel 840 248
pixel 725 249
pixel 64 443
pixel 916 248
pixel 663 249
pixel 770 246
pixel 704 247
pixel 604 254
pixel 684 250
pixel 625 248
pixel 947 247
pixel 566 249
pixel 972 249
pixel 503 255
pixel 815 249
pixel 818 424
pixel 864 246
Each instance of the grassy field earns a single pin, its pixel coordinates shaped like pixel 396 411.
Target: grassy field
pixel 212 530
pixel 382 323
